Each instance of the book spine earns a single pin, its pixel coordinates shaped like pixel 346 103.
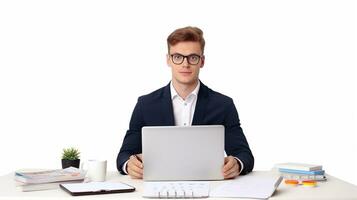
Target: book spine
pixel 20 179
pixel 304 177
pixel 42 186
pixel 300 167
pixel 49 176
pixel 318 172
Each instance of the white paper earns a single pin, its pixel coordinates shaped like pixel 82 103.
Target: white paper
pixel 176 189
pixel 260 187
pixel 95 186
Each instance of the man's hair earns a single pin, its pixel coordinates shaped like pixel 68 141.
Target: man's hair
pixel 186 34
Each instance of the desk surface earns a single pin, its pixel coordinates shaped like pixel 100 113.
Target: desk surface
pixel 333 188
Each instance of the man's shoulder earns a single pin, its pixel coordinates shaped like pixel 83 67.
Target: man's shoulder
pixel 217 96
pixel 153 96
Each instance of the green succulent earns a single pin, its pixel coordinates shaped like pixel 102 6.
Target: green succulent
pixel 70 154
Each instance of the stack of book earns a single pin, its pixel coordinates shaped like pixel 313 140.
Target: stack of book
pixel 33 180
pixel 300 171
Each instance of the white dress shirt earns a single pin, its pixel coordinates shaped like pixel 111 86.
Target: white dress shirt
pixel 184 110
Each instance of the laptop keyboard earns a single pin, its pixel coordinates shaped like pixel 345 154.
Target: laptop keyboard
pixel 176 189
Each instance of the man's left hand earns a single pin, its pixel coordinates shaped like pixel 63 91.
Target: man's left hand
pixel 230 168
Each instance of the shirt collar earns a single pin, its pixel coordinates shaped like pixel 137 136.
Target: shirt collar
pixel 174 93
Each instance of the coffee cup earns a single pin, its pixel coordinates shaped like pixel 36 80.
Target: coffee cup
pixel 96 169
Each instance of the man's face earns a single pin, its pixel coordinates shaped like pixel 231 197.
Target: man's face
pixel 190 54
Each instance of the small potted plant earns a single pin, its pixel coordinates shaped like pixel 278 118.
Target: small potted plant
pixel 70 157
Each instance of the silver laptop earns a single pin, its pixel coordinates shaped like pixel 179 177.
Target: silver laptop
pixel 183 153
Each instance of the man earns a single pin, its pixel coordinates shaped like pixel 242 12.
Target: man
pixel 186 101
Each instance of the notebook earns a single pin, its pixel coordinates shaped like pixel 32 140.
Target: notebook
pixel 176 189
pixel 249 186
pixel 91 188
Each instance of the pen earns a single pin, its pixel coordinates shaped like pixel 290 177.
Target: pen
pixel 137 157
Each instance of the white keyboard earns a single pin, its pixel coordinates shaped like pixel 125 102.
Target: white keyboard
pixel 176 189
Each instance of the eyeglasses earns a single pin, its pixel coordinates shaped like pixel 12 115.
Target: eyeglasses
pixel 192 59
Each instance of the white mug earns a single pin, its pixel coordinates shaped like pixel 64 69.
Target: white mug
pixel 96 169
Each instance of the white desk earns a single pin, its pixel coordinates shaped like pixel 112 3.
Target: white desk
pixel 333 188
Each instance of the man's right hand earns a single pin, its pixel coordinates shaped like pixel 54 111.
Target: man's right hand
pixel 135 166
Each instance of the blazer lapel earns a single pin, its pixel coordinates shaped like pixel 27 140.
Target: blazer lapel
pixel 167 110
pixel 202 99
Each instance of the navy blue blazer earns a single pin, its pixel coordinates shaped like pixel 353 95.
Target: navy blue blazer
pixel 212 108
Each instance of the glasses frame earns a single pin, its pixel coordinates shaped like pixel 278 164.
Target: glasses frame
pixel 185 57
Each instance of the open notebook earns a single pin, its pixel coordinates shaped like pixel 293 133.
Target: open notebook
pixel 92 188
pixel 259 186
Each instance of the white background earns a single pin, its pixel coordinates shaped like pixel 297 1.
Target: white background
pixel 71 73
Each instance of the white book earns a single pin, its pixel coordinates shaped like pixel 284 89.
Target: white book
pixel 48 176
pixel 299 166
pixel 304 177
pixel 41 186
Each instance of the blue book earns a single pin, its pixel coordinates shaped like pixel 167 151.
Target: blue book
pixel 293 171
